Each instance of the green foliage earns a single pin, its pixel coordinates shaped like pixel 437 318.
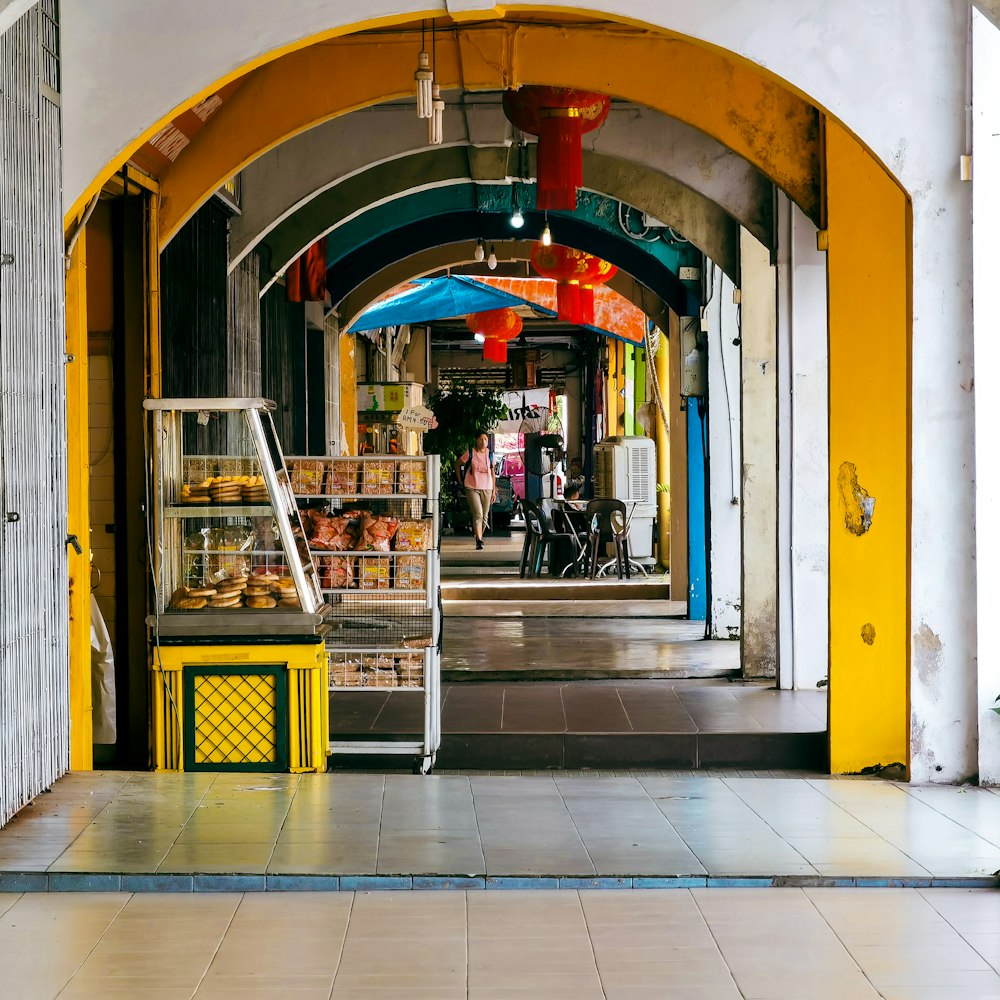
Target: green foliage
pixel 461 411
pixel 997 710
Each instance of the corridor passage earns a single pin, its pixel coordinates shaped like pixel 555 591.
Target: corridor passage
pixel 690 944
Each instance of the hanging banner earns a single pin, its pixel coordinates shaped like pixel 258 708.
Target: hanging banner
pixel 522 406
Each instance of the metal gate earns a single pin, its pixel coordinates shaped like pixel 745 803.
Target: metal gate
pixel 34 653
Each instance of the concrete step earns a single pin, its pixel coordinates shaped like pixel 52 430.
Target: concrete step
pixel 609 751
pixel 516 589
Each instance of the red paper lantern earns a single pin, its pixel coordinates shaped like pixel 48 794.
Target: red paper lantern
pixel 305 278
pixel 576 273
pixel 497 326
pixel 559 117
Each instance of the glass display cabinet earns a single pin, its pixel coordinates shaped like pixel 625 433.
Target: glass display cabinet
pixel 238 619
pixel 229 553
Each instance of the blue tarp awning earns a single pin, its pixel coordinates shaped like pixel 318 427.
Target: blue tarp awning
pixel 439 298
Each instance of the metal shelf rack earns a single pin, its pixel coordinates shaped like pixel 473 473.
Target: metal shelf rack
pixel 385 612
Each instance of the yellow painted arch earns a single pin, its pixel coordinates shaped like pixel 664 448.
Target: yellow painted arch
pixel 735 103
pixel 769 123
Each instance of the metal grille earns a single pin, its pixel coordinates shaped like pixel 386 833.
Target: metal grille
pixel 235 720
pixel 34 666
pixel 243 335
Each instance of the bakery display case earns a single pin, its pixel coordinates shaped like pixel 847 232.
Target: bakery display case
pixel 229 550
pixel 371 524
pixel 238 622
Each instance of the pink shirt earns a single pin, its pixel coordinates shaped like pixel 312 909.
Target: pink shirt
pixel 478 476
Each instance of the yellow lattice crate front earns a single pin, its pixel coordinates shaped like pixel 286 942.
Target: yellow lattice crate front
pixel 235 719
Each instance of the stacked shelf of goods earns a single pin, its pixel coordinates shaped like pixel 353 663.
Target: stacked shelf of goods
pixel 371 524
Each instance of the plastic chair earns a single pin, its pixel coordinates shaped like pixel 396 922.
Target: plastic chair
pixel 608 525
pixel 539 537
pixel 568 522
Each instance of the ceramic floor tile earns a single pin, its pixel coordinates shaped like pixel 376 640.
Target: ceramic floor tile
pixel 217 858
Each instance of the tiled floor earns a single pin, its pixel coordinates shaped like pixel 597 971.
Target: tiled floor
pixel 698 944
pixel 637 706
pixel 583 647
pixel 567 826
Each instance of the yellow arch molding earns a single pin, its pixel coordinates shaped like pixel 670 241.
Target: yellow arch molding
pixel 720 94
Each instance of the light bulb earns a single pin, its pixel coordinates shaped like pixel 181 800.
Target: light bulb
pixel 480 253
pixel 546 236
pixel 517 219
pixel 491 261
pixel 425 78
pixel 435 124
pixel 479 338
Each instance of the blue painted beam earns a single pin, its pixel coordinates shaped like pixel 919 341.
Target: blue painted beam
pixel 698 515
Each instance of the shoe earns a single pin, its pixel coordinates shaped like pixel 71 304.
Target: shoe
pixel 479 544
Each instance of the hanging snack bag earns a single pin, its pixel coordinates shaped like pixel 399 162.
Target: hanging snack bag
pixel 343 474
pixel 411 573
pixel 413 536
pixel 378 478
pixel 336 572
pixel 337 533
pixel 412 477
pixel 377 532
pixel 373 573
pixel 307 476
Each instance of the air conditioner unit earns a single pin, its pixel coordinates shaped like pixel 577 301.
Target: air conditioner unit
pixel 625 469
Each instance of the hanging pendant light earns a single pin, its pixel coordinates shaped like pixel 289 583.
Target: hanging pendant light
pixel 425 79
pixel 546 235
pixel 517 219
pixel 480 253
pixel 435 124
pixel 491 261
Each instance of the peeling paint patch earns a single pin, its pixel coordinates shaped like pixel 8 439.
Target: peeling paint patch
pixel 868 633
pixel 859 504
pixel 927 649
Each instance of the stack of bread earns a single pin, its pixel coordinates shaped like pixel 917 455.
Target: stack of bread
pixel 255 491
pixel 197 493
pixel 226 489
pixel 258 593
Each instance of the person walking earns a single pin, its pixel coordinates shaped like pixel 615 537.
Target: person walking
pixel 474 471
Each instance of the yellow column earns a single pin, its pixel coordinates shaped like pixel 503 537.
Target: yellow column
pixel 349 392
pixel 870 315
pixel 81 708
pixel 662 374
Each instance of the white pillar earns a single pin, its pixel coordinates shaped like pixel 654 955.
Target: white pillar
pixel 803 478
pixel 986 324
pixel 724 457
pixel 760 458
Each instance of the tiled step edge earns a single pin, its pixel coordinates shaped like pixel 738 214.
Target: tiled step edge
pixel 11 881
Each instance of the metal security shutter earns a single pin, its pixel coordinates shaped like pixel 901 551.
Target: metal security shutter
pixel 34 654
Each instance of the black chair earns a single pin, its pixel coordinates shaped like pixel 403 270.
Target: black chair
pixel 608 522
pixel 573 522
pixel 539 538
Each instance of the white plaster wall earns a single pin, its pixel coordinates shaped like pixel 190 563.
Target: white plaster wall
pixel 986 202
pixel 803 505
pixel 854 58
pixel 758 467
pixel 724 458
